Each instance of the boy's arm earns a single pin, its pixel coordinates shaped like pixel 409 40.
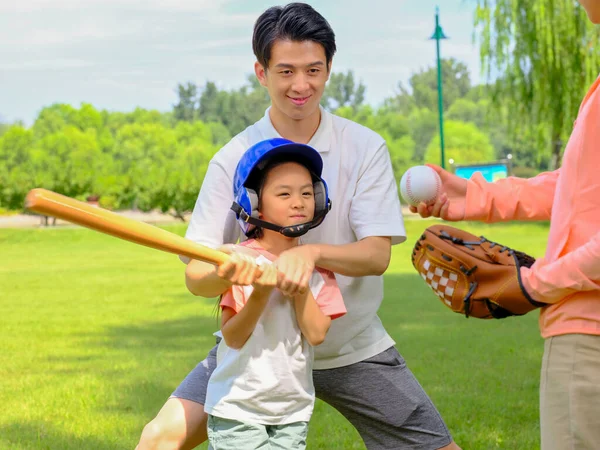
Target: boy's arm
pixel 313 323
pixel 511 198
pixel 237 327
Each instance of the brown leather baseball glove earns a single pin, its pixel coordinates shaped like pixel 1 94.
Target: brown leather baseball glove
pixel 471 275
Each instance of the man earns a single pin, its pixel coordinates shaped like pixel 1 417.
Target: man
pixel 357 369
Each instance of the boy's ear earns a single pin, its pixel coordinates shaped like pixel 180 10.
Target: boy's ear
pixel 261 73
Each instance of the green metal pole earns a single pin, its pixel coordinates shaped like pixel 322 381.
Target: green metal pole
pixel 439 34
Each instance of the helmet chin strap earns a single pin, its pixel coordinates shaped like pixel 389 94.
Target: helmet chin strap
pixel 292 231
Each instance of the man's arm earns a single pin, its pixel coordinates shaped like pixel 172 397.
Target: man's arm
pixel 213 225
pixel 369 256
pixel 201 279
pixel 207 280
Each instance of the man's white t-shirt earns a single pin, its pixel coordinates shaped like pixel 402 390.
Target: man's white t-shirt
pixel 364 193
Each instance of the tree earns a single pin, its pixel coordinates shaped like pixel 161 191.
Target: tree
pixel 343 90
pixel 401 154
pixel 465 110
pixel 422 91
pixel 185 109
pixel 465 144
pixel 423 125
pixel 547 54
pixel 209 109
pixel 523 147
pixel 4 128
pixel 53 118
pixel 236 109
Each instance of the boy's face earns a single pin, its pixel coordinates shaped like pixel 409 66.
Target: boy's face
pixel 592 7
pixel 287 196
pixel 295 78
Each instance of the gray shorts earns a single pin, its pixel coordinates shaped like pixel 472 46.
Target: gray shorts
pixel 379 396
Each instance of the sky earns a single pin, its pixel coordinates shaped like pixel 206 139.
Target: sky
pixel 123 54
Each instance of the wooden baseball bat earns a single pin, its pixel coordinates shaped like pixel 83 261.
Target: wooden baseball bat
pixel 52 204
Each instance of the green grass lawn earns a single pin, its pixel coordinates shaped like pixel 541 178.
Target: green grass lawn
pixel 97 332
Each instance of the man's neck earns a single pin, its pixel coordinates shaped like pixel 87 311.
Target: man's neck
pixel 300 131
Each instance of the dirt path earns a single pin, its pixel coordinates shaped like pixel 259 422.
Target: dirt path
pixel 155 218
pixel 35 221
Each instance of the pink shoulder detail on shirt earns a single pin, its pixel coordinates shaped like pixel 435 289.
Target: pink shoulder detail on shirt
pixel 330 298
pixel 235 298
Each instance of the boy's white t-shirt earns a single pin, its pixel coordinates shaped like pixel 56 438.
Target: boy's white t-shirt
pixel 269 380
pixel 365 202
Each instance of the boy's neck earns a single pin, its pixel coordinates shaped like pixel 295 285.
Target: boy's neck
pixel 300 131
pixel 275 243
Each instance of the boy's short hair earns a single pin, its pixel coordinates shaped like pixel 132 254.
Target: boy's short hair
pixel 295 22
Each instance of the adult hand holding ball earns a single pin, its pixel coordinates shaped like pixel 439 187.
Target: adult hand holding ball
pixel 420 184
pixel 432 191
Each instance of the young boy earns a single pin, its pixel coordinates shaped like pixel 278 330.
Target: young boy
pixel 357 365
pixel 262 394
pixel 567 278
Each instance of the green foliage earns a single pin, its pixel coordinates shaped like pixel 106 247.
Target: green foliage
pixel 422 91
pixel 142 159
pixel 236 109
pixel 4 128
pixel 464 143
pixel 342 90
pixel 547 54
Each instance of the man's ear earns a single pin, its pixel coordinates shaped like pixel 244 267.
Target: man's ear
pixel 329 69
pixel 261 73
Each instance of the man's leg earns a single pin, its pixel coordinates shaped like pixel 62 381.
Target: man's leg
pixel 383 400
pixel 570 393
pixel 181 423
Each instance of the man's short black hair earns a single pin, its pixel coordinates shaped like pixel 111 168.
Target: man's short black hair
pixel 294 22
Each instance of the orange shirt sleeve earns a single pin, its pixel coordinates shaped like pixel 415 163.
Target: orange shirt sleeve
pixel 511 198
pixel 576 271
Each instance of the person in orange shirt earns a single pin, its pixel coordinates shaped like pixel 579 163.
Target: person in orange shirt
pixel 567 277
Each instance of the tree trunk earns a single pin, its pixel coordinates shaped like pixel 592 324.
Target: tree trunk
pixel 555 160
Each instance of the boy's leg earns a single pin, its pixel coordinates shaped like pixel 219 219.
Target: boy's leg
pixel 291 436
pixel 570 392
pixel 181 423
pixel 225 434
pixel 383 400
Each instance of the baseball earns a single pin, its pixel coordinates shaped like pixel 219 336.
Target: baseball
pixel 420 184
